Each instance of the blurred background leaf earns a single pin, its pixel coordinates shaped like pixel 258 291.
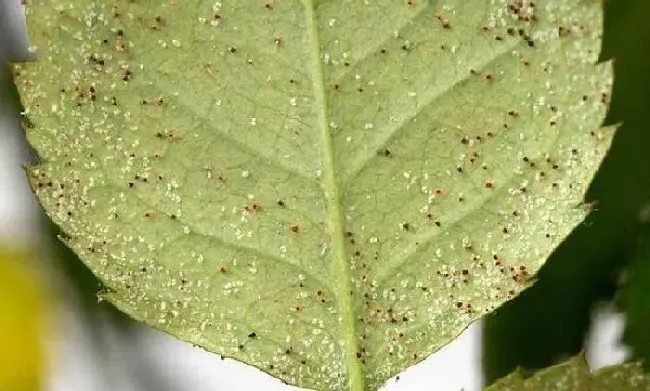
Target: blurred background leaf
pixel 24 300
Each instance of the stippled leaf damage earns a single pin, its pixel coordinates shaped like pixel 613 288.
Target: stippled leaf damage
pixel 327 190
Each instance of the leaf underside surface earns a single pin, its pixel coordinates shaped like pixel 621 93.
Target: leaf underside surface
pixel 327 190
pixel 574 375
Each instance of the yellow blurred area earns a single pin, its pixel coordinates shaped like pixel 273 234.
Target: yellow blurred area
pixel 23 301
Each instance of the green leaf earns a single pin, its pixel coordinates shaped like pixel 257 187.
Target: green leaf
pixel 330 191
pixel 574 375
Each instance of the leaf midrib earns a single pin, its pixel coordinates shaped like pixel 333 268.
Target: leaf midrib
pixel 342 275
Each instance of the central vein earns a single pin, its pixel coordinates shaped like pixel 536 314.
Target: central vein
pixel 333 199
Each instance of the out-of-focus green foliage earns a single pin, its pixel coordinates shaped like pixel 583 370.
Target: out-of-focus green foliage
pixel 25 299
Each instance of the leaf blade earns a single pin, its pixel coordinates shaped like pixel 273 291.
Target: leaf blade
pixel 313 220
